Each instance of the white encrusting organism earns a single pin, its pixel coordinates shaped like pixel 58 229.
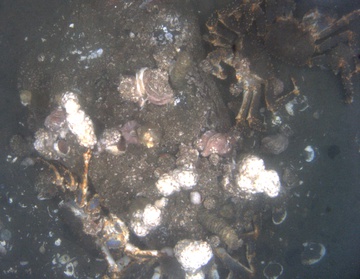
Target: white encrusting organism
pixel 78 122
pixel 192 256
pixel 177 179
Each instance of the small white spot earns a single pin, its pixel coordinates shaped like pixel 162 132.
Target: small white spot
pixel 57 242
pixel 71 25
pixel 290 108
pixel 177 101
pixel 195 197
pixel 41 57
pixel 276 120
pixel 22 205
pixel 310 153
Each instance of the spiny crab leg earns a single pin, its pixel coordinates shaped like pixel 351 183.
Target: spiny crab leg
pixel 113 267
pixel 337 25
pixel 83 187
pixel 333 41
pixel 58 178
pixel 133 251
pixel 241 116
pixel 254 121
pixel 250 84
pixel 237 268
pixel 63 177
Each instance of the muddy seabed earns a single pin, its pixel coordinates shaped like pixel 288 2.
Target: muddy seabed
pixel 40 53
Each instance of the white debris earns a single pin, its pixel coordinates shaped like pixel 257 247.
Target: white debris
pixel 310 153
pixel 93 55
pixel 151 216
pixel 109 141
pixel 58 242
pixel 198 275
pixel 143 221
pixel 269 183
pixel 290 107
pixel 192 255
pixel 253 178
pixel 296 102
pixel 161 203
pixel 78 122
pixel 187 178
pixel 69 269
pixel 167 185
pixel 195 197
pixel 276 120
pixel 174 181
pixel 251 166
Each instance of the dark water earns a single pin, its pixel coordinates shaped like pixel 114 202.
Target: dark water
pixel 324 209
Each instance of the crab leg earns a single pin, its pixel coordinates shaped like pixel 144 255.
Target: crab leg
pixel 254 121
pixel 63 177
pixel 58 178
pixel 344 64
pixel 274 102
pixel 133 251
pixel 346 77
pixel 113 267
pixel 220 35
pixel 342 22
pixel 251 88
pixel 242 114
pixel 235 267
pixel 240 17
pixel 333 41
pixel 212 63
pixel 84 183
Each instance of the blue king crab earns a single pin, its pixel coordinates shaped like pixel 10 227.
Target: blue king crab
pixel 247 34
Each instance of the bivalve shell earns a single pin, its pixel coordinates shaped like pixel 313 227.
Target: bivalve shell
pixel 273 270
pixel 279 215
pixel 313 253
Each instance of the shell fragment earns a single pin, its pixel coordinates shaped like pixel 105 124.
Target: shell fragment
pixel 310 153
pixel 273 270
pixel 313 253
